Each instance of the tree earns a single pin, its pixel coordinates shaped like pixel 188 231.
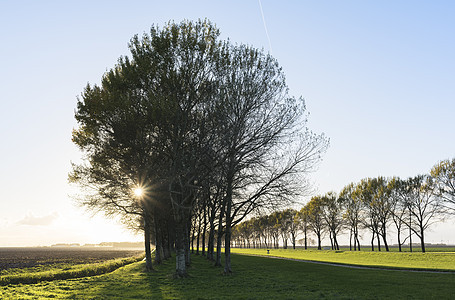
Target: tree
pixel 352 213
pixel 143 123
pixel 116 164
pixel 383 206
pixel 289 226
pixel 375 198
pixel 331 212
pixel 423 206
pixel 314 217
pixel 444 176
pixel 398 190
pixel 210 121
pixel 302 219
pixel 274 225
pixel 366 191
pixel 265 147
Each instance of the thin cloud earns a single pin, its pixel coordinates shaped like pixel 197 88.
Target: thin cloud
pixel 265 27
pixel 30 219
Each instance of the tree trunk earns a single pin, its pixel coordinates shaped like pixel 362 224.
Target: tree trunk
pixel 180 264
pixel 378 238
pixel 319 241
pixel 193 237
pixel 422 241
pixel 350 239
pixel 335 242
pixel 186 237
pixel 218 246
pixel 148 252
pixel 385 243
pixel 305 238
pixel 158 241
pixel 211 242
pixel 227 239
pixel 220 235
pixel 410 232
pixel 166 241
pixel 357 238
pixel 204 231
pixel 410 241
pixel 384 237
pixel 198 236
pixel 372 242
pixel 180 245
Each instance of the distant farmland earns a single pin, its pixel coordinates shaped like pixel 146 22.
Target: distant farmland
pixel 39 259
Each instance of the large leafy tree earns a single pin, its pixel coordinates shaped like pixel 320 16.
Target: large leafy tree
pixel 142 127
pixel 202 121
pixel 116 164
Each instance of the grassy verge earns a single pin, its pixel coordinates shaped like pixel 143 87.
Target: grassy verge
pixel 253 278
pixel 59 273
pixel 440 261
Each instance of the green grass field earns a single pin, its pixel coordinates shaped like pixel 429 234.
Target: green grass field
pixel 63 271
pixel 444 261
pixel 253 278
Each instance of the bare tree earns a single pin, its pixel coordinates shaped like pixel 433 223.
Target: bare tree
pixel 399 209
pixel 266 148
pixel 424 207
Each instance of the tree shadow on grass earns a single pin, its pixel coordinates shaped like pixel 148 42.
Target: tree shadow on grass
pixel 134 282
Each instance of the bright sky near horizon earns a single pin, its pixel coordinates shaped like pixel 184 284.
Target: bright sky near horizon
pixel 378 78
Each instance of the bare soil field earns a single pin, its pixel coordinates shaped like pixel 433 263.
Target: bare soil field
pixel 37 257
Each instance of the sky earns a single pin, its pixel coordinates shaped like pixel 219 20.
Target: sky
pixel 377 76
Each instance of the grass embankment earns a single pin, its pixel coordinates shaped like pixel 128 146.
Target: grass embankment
pixel 66 271
pixel 253 278
pixel 438 261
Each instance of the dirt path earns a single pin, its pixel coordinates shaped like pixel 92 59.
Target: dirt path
pixel 354 266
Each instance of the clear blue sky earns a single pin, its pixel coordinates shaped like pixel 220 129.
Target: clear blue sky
pixel 378 78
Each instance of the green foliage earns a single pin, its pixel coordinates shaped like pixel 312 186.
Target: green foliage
pixel 255 278
pixel 444 174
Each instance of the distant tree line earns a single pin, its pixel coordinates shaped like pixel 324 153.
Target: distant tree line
pixel 373 205
pixel 187 137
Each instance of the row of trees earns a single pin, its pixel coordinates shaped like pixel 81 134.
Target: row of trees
pixel 266 231
pixel 373 205
pixel 188 136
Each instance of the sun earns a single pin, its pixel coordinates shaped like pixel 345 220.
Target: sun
pixel 138 192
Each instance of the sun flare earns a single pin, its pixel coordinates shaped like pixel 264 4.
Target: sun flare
pixel 138 192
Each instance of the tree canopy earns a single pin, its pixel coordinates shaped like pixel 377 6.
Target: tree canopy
pixel 202 126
